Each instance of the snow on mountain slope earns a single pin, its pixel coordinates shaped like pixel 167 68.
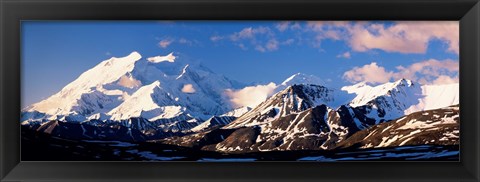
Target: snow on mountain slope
pixel 298 117
pixel 214 121
pixel 237 112
pixel 191 85
pixel 293 99
pixel 300 78
pixel 373 105
pixel 293 119
pixel 120 88
pixel 430 127
pixel 169 58
pixel 321 128
pixel 365 93
pixel 149 102
pixel 437 96
pixel 402 97
pixel 222 120
pixel 340 97
pixel 81 96
pixel 305 130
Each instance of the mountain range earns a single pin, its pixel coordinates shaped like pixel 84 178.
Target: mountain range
pixel 169 100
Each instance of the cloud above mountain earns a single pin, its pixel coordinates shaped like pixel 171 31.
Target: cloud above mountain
pixel 430 71
pixel 361 36
pixel 188 88
pixel 400 37
pixel 129 82
pixel 403 37
pixel 261 39
pixel 250 96
pixel 369 73
pixel 167 41
pixel 345 55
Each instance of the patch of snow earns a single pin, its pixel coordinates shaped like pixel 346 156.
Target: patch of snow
pixel 157 59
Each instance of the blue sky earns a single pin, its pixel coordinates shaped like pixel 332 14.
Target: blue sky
pixel 54 53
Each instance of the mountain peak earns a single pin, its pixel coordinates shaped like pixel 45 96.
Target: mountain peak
pixel 67 100
pixel 157 59
pixel 315 93
pixel 135 54
pixel 389 100
pixel 293 99
pixel 300 78
pixel 404 82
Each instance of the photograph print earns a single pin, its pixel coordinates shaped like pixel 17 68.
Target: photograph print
pixel 240 91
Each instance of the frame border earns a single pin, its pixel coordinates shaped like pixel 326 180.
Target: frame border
pixel 13 11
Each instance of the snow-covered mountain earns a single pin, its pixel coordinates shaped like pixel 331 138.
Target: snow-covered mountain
pixel 86 95
pixel 291 100
pixel 393 100
pixel 155 88
pixel 300 118
pixel 300 78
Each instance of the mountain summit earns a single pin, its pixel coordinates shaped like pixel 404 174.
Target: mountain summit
pixel 160 87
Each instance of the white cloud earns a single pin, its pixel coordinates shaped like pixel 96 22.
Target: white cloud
pixel 285 25
pixel 188 88
pixel 322 30
pixel 272 45
pixel 250 33
pixel 443 79
pixel 216 38
pixel 171 40
pixel 282 26
pixel 345 55
pixel 401 37
pixel 129 82
pixel 184 41
pixel 261 38
pixel 288 41
pixel 165 43
pixel 426 72
pixel 260 48
pixel 370 73
pixel 242 46
pixel 250 96
pixel 360 36
pixel 404 37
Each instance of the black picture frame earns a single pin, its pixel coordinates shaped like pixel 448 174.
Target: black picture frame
pixel 12 12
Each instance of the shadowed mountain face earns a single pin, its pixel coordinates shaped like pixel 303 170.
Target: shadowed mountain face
pixel 77 131
pixel 315 129
pixel 438 127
